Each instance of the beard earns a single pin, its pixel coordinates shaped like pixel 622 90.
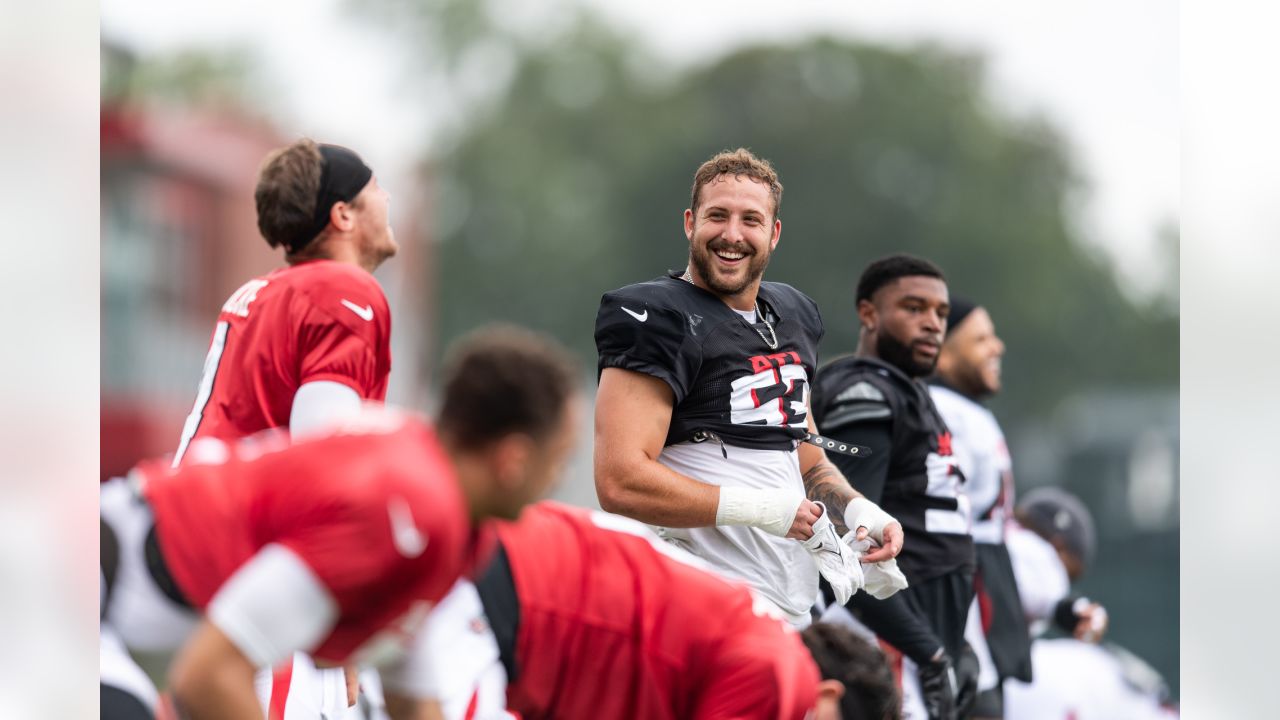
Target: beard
pixel 985 383
pixel 902 356
pixel 702 260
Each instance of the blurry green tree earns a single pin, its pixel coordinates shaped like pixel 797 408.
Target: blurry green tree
pixel 569 180
pixel 188 77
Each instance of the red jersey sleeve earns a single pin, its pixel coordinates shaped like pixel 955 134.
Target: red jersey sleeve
pixel 344 332
pixel 402 545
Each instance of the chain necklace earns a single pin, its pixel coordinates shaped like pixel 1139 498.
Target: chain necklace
pixel 773 344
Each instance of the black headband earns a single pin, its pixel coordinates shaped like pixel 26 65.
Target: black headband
pixel 960 309
pixel 342 176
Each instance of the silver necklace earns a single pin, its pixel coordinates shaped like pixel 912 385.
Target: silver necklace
pixel 773 344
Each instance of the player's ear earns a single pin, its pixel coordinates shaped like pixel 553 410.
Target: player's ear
pixel 688 223
pixel 510 459
pixel 833 689
pixel 867 316
pixel 777 234
pixel 829 694
pixel 341 216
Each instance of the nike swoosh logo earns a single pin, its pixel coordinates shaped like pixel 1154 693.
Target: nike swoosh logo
pixel 639 316
pixel 408 539
pixel 365 313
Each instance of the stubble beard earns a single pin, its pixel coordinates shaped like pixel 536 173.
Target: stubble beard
pixel 702 261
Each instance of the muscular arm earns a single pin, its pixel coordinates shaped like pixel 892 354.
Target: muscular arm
pixel 633 414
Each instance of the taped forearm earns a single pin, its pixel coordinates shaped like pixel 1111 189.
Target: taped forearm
pixel 771 510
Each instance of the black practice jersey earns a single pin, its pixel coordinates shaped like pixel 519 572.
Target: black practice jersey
pixel 910 472
pixel 727 380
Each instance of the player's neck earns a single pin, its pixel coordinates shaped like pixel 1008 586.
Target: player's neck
pixel 866 347
pixel 331 248
pixel 966 390
pixel 744 301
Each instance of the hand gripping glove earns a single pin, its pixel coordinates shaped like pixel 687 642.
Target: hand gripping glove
pixel 880 579
pixel 836 561
pixel 938 687
pixel 861 512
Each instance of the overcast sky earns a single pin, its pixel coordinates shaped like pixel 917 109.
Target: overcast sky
pixel 1106 73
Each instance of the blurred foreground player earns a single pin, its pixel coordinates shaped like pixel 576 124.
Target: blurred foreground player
pixel 587 615
pixel 877 398
pixel 968 372
pixel 336 545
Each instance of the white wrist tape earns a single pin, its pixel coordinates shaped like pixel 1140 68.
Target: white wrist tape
pixel 861 512
pixel 772 510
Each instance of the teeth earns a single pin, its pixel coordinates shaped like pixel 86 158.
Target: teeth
pixel 730 255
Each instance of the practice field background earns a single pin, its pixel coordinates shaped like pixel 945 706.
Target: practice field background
pixel 537 158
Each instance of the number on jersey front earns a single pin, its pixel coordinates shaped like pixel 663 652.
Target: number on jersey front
pixel 211 363
pixel 776 394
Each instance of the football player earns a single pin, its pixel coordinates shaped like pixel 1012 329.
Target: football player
pixel 584 615
pixel 702 415
pixel 877 398
pixel 1051 545
pixel 304 345
pixel 967 373
pixel 334 545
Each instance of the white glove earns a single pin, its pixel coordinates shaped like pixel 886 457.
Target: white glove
pixel 880 579
pixel 861 512
pixel 836 561
pixel 771 510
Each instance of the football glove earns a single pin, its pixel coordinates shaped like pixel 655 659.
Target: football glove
pixel 938 687
pixel 836 561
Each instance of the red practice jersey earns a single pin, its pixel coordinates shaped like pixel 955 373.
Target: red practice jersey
pixel 613 626
pixel 318 320
pixel 373 510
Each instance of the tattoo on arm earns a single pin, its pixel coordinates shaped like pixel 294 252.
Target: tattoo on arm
pixel 825 483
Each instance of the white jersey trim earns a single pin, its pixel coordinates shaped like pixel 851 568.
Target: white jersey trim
pixel 321 405
pixel 273 605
